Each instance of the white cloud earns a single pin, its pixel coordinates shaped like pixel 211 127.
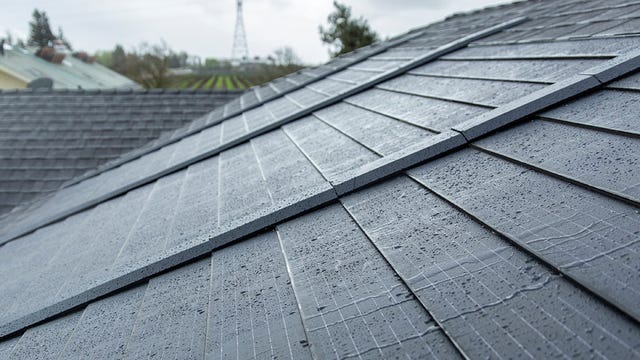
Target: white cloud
pixel 205 27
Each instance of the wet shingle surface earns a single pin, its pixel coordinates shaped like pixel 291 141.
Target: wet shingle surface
pixel 488 294
pixel 277 227
pixel 585 235
pixel 253 312
pixel 351 302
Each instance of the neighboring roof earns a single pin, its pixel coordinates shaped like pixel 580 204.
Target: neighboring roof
pixel 72 73
pixel 50 137
pixel 469 192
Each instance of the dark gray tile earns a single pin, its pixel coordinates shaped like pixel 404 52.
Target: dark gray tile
pixel 595 109
pixel 593 28
pixel 6 346
pixel 331 87
pixel 590 237
pixel 46 341
pixel 581 48
pixel 631 82
pixel 378 132
pixel 196 215
pixel 258 117
pixel 329 150
pixel 629 27
pixel 283 107
pixel 105 327
pixel 477 92
pixel 172 319
pixel 153 226
pixel 522 70
pixel 351 301
pixel 433 114
pixel 234 128
pixel 354 75
pixel 465 275
pixel 253 311
pixel 303 98
pixel 595 158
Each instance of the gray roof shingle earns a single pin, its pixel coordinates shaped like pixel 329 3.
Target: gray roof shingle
pixel 367 226
pixel 50 137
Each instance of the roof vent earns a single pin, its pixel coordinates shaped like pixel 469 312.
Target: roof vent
pixel 41 83
pixel 50 54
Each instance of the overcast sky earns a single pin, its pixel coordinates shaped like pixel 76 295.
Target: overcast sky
pixel 205 27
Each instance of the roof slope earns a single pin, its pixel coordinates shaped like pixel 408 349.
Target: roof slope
pixel 71 74
pixel 50 137
pixel 455 209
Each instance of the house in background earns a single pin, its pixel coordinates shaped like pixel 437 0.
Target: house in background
pixel 19 67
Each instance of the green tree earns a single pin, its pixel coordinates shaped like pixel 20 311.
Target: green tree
pixel 40 31
pixel 64 40
pixel 344 33
pixel 119 60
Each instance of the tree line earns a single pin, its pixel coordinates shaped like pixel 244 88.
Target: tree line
pixel 150 65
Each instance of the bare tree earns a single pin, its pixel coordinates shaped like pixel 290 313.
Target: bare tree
pixel 285 56
pixel 152 65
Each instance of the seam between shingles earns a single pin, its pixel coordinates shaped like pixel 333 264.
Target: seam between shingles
pixel 261 170
pixel 317 91
pixel 348 136
pixel 306 156
pixel 15 346
pixel 397 118
pixel 73 332
pixel 530 57
pixel 433 97
pixel 564 177
pixel 127 342
pixel 567 122
pixel 439 324
pixel 295 295
pixel 342 80
pixel 556 40
pixel 208 322
pixel 467 77
pixel 272 87
pixel 611 302
pixel 577 12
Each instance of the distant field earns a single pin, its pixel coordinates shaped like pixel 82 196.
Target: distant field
pixel 218 82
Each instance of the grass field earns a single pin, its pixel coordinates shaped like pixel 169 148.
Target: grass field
pixel 218 82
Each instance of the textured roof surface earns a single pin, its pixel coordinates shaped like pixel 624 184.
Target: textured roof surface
pixel 72 73
pixel 50 137
pixel 475 198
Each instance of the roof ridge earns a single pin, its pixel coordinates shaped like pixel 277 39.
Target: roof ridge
pixel 115 91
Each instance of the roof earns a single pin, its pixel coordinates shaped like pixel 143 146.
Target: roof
pixel 466 190
pixel 50 137
pixel 72 73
